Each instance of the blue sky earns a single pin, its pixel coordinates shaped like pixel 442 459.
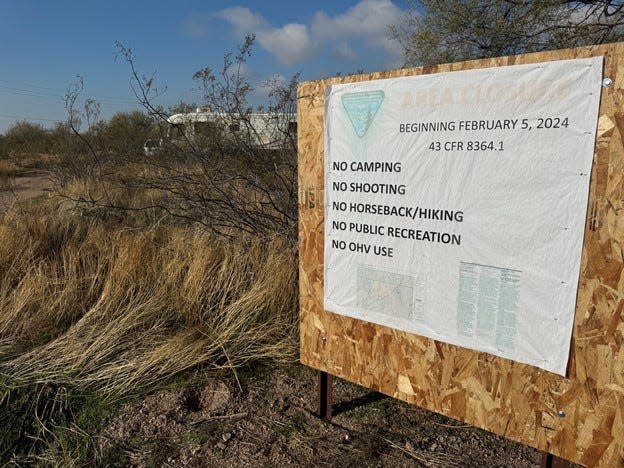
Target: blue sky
pixel 45 44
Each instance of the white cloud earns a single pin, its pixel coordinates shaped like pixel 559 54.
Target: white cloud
pixel 394 49
pixel 345 52
pixel 290 43
pixel 369 19
pixel 367 22
pixel 243 20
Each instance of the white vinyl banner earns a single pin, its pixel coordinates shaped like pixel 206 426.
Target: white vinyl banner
pixel 455 204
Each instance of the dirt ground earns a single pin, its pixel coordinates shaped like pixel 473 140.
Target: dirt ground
pixel 266 417
pixel 24 187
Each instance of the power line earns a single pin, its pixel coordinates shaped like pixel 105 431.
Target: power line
pixel 26 92
pixel 30 90
pixel 23 117
pixel 34 91
pixel 32 86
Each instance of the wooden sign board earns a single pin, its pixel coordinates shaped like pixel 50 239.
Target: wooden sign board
pixel 579 417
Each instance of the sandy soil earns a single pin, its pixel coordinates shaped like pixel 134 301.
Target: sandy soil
pixel 24 187
pixel 266 417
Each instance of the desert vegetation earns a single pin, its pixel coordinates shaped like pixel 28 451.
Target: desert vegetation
pixel 136 269
pixel 113 313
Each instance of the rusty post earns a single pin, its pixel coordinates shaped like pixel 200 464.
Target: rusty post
pixel 551 461
pixel 325 396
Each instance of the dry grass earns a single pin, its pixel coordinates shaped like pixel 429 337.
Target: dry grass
pixel 8 171
pixel 90 310
pixel 9 168
pixel 121 311
pixel 100 304
pixel 38 161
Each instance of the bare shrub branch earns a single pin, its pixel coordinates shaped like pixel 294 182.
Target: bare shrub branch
pixel 230 179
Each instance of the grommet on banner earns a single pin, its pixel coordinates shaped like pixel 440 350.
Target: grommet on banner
pixel 607 82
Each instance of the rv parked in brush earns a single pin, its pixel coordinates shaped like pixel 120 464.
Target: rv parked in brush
pixel 264 130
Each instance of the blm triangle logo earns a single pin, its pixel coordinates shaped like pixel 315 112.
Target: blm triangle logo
pixel 361 109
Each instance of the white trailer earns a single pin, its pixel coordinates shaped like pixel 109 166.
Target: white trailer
pixel 265 130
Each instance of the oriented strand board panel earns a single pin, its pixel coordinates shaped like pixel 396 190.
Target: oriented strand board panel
pixel 579 417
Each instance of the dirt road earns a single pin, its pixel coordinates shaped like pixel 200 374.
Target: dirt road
pixel 24 187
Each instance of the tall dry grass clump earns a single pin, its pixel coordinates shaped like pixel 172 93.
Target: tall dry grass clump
pixel 86 308
pixel 74 295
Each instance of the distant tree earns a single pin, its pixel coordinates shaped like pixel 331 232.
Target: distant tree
pixel 60 134
pixel 60 138
pixel 125 132
pixel 27 138
pixel 439 31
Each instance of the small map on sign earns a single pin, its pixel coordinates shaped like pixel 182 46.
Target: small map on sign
pixel 389 293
